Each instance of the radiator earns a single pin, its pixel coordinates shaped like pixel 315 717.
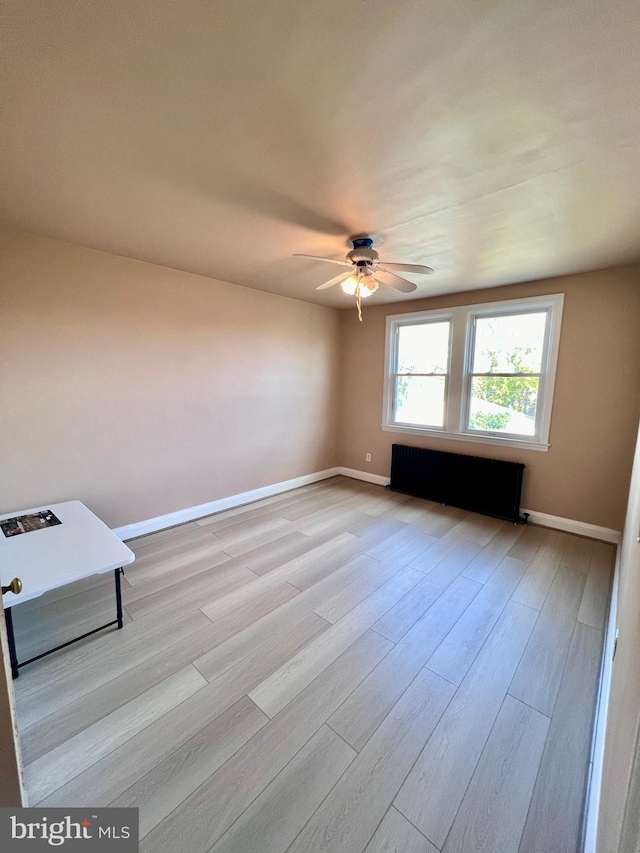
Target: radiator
pixel 490 486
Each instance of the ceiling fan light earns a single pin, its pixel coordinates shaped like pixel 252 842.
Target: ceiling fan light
pixel 349 285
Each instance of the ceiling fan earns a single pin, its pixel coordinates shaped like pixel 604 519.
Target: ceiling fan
pixel 366 271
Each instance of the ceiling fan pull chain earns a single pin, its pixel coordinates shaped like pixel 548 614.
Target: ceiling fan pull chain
pixel 359 301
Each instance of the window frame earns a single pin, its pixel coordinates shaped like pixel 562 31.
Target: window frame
pixel 459 376
pixel 436 317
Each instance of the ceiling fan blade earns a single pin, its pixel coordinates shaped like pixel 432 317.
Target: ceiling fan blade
pixel 342 277
pixel 395 281
pixel 418 268
pixel 327 260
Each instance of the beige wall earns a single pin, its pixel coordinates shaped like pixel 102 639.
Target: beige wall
pixel 624 700
pixel 585 474
pixel 141 390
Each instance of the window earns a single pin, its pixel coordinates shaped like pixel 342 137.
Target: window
pixel 421 369
pixel 478 373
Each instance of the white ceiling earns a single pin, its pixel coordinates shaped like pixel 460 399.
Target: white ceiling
pixel 495 141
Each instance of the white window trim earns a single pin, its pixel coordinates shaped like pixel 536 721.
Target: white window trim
pixel 460 354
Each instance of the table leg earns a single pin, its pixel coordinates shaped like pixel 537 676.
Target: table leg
pixel 119 572
pixel 12 642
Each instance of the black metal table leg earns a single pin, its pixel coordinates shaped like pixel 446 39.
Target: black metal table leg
pixel 15 666
pixel 119 572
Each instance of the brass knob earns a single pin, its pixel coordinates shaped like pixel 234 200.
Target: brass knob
pixel 15 587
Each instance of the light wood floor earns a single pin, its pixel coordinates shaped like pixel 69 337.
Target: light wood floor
pixel 338 668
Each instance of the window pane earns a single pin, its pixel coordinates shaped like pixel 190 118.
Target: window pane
pixel 423 348
pixel 420 400
pixel 504 404
pixel 509 344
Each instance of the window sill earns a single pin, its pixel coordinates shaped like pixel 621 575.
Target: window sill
pixel 477 439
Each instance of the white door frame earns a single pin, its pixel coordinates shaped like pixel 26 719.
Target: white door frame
pixel 12 790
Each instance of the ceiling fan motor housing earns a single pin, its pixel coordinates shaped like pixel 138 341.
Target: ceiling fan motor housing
pixel 362 254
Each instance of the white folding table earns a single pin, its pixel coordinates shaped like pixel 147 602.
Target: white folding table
pixel 51 557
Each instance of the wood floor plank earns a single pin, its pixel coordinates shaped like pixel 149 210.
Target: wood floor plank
pixel 276 691
pixel 597 590
pixel 306 507
pixel 251 530
pixel 410 551
pixel 376 529
pixel 434 789
pixel 156 592
pixel 452 565
pixel 577 552
pixel 235 648
pixel 205 551
pixel 538 676
pixel 170 781
pixel 487 561
pixel 375 575
pixel 528 544
pixel 229 517
pixel 266 658
pixel 534 586
pixel 439 521
pixel 480 529
pixel 194 595
pixel 358 718
pixel 349 816
pixel 182 535
pixel 72 660
pixel 440 549
pixel 339 551
pixel 243 545
pixel 270 556
pixel 285 499
pixel 95 585
pixel 54 769
pixel 396 622
pixel 396 835
pixel 188 546
pixel 555 814
pixel 65 619
pixel 72 718
pixel 215 769
pixel 377 500
pixel 207 813
pixel 253 611
pixel 278 814
pixel 390 545
pixel 412 509
pixel 121 768
pixel 459 649
pixel 227 654
pixel 328 522
pixel 494 809
pixel 98 605
pixel 76 674
pixel 145 772
pixel 321 554
pixel 195 572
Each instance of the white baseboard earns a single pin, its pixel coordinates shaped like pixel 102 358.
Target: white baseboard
pixel 594 788
pixel 161 522
pixel 363 475
pixel 569 525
